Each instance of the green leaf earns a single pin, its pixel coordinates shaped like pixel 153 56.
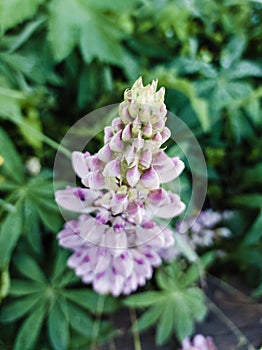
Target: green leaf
pixel 199 105
pixel 4 284
pixel 165 324
pixel 185 248
pixel 197 269
pixel 196 301
pixel 29 268
pixel 244 69
pixel 89 299
pixel 10 232
pixel 255 232
pixel 15 11
pixel 233 50
pixel 248 200
pixel 25 34
pixel 30 329
pixel 49 214
pixel 60 264
pixel 22 287
pixel 12 166
pixel 150 317
pixel 18 308
pixel 58 328
pixel 74 23
pixel 183 322
pixel 31 226
pixel 144 299
pixel 79 320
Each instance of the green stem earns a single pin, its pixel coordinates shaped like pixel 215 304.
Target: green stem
pixel 43 137
pixel 99 310
pixel 242 339
pixel 135 331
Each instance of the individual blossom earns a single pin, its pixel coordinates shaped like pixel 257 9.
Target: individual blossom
pixel 115 239
pixel 199 342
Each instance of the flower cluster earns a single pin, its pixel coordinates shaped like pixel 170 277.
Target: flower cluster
pixel 199 343
pixel 115 240
pixel 203 231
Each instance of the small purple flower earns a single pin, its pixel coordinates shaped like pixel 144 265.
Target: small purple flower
pixel 199 342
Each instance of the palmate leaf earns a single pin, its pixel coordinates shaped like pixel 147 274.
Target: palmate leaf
pixel 79 320
pixel 22 287
pixel 174 308
pixel 18 308
pixel 30 329
pixel 88 299
pixel 12 166
pixel 74 23
pixel 15 11
pixel 9 233
pixel 166 324
pixel 58 328
pixel 29 268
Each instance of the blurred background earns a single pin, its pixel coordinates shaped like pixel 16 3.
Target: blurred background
pixel 59 60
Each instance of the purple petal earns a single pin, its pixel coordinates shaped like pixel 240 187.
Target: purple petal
pixel 76 199
pixel 150 179
pixel 79 163
pixel 94 180
pixel 105 153
pixel 124 113
pixel 116 144
pixel 166 133
pixel 116 241
pixel 124 264
pixel 146 158
pixel 108 134
pixel 112 169
pixel 148 130
pixel 130 154
pixel 133 176
pixel 127 133
pixel 119 203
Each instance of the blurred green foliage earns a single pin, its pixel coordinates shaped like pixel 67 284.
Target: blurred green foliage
pixel 60 59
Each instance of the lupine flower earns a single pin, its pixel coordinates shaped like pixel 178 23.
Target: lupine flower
pixel 203 232
pixel 199 342
pixel 115 240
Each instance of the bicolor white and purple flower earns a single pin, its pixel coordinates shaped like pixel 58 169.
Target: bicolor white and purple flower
pixel 116 241
pixel 199 342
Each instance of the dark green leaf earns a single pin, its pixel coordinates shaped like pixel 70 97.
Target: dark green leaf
pixel 58 328
pixel 144 299
pixel 10 232
pixel 30 329
pixel 18 308
pixel 150 317
pixel 245 69
pixel 248 200
pixel 31 226
pixel 23 287
pixel 79 320
pixel 165 324
pixel 233 50
pixel 29 268
pixel 15 11
pixel 183 322
pixel 89 299
pixel 4 284
pixel 255 232
pixel 12 162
